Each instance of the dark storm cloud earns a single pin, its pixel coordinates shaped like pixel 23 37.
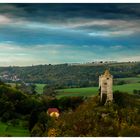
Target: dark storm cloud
pixel 56 33
pixel 59 12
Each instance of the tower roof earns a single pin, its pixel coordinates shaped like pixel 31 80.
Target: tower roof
pixel 107 73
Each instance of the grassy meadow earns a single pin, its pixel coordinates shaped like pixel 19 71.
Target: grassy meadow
pixel 91 91
pixel 130 79
pixel 39 88
pixel 132 83
pixel 14 131
pixel 88 91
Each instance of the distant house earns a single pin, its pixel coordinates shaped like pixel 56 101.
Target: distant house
pixel 53 112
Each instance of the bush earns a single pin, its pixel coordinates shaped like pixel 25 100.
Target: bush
pixel 5 117
pixel 15 122
pixel 130 131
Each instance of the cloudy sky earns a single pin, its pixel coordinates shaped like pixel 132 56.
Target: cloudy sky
pixel 61 33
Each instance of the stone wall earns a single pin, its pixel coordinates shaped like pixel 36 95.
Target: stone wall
pixel 105 85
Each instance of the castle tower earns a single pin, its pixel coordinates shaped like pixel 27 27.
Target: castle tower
pixel 105 86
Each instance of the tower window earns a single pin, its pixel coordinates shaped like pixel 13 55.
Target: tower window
pixel 105 83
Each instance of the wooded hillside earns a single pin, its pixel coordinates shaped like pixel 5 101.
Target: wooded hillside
pixel 65 75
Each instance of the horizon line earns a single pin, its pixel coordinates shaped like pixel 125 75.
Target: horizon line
pixel 74 63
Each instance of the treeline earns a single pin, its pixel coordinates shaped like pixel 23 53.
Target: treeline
pixel 64 75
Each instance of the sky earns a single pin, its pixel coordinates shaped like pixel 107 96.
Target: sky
pixel 32 34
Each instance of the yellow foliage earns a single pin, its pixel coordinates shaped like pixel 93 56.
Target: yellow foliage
pixel 52 132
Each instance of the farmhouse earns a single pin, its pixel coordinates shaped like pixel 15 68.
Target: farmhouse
pixel 53 112
pixel 105 87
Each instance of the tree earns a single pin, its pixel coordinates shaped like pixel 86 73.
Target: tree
pixel 24 88
pixel 33 88
pixel 37 130
pixel 49 91
pixel 122 82
pixel 33 119
pixel 2 83
pixel 43 119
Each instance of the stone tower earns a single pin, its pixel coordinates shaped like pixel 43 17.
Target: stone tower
pixel 105 87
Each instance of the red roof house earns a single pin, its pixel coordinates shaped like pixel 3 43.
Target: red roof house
pixel 53 112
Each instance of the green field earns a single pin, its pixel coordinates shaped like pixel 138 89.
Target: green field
pixel 39 88
pixel 91 91
pixel 88 91
pixel 129 79
pixel 133 83
pixel 14 131
pixel 127 87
